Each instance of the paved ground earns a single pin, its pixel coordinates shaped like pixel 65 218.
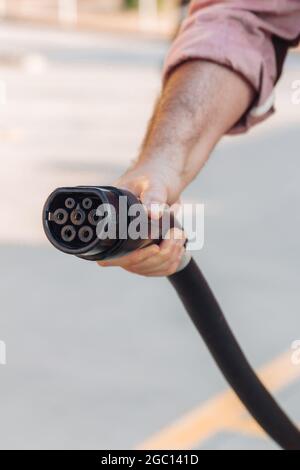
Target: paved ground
pixel 102 359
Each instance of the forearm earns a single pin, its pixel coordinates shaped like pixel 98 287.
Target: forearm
pixel 199 103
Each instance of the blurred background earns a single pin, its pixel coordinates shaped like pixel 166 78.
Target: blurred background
pixel 100 359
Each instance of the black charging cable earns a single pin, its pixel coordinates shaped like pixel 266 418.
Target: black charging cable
pixel 211 323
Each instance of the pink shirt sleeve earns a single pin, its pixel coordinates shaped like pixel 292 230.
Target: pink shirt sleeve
pixel 249 36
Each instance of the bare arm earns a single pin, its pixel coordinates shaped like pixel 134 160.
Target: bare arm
pixel 199 103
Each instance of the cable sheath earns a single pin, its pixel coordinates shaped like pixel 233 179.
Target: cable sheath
pixel 210 322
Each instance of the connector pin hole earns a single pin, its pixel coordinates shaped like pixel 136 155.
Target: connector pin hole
pixel 77 217
pixel 60 216
pixel 93 217
pixel 70 203
pixel 87 203
pixel 68 233
pixel 85 234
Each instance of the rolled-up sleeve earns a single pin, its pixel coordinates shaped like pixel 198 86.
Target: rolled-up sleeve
pixel 250 37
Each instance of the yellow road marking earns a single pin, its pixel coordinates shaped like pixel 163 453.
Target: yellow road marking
pixel 222 412
pixel 11 135
pixel 247 426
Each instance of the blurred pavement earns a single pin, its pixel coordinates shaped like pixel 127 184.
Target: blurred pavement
pixel 99 358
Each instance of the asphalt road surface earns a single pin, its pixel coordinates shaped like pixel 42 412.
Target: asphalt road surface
pixel 100 359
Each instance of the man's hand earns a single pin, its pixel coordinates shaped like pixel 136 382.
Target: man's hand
pixel 200 102
pixel 162 260
pixel 151 184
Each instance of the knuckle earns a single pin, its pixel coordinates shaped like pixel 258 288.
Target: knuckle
pixel 145 254
pixel 136 257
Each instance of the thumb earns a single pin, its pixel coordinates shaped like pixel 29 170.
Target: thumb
pixel 155 200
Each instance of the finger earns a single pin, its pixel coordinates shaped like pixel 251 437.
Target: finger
pixel 166 254
pixel 137 256
pixel 174 234
pixel 160 269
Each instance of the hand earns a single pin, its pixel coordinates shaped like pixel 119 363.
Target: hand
pixel 155 186
pixel 155 183
pixel 162 260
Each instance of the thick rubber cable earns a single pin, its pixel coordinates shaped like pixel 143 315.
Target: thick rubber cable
pixel 210 322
